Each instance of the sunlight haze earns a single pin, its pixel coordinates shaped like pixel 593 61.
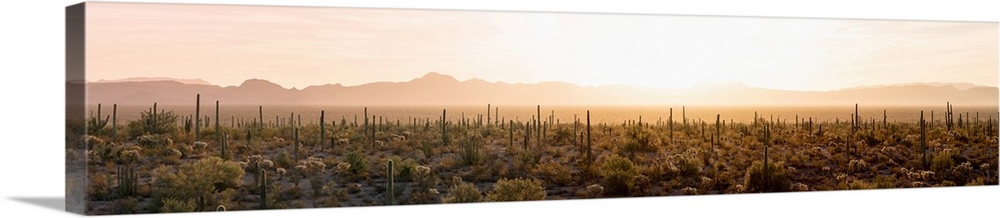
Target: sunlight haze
pixel 303 46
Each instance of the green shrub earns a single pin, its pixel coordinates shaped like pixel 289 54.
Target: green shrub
pixel 554 173
pixel 463 193
pixel 358 163
pixel 618 173
pixel 942 162
pixel 163 123
pixel 770 178
pixel 171 205
pixel 469 148
pixel 127 205
pixel 197 180
pixel 516 190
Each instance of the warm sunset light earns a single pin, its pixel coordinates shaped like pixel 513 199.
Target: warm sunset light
pixel 304 46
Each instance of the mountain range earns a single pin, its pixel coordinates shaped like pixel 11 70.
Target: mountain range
pixel 440 89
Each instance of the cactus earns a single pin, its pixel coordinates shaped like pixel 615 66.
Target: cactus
pixel 488 115
pixel 197 116
pixel 262 176
pixel 469 148
pixel 589 157
pixel 114 122
pixel 217 132
pixel 322 126
pixel 126 180
pixel 923 141
pixel 295 148
pixel 671 123
pixel 527 135
pixel 260 114
pixel 444 127
pixel 511 134
pixel 767 141
pixel 538 125
pixel 718 134
pixel 389 184
pixel 96 124
pixel 225 143
pixel 366 122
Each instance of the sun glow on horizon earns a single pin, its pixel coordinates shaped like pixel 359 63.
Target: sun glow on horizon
pixel 301 47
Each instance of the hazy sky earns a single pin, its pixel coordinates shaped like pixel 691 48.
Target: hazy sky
pixel 302 46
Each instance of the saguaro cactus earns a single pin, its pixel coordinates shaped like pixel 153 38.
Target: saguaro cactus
pixel 511 134
pixel 671 123
pixel 488 117
pixel 322 126
pixel 589 157
pixel 96 123
pixel 390 194
pixel 114 122
pixel 527 135
pixel 767 142
pixel 263 188
pixel 923 141
pixel 224 141
pixel 295 142
pixel 444 127
pixel 197 116
pixel 218 133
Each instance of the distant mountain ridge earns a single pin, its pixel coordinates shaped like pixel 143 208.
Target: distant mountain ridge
pixel 441 89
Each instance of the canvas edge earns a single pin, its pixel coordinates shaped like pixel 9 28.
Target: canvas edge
pixel 76 168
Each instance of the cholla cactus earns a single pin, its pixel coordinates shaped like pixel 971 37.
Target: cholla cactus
pixel 689 191
pixel 595 190
pixel 343 167
pixel 424 170
pixel 799 187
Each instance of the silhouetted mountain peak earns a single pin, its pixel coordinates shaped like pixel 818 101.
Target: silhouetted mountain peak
pixel 434 77
pixel 156 79
pixel 259 84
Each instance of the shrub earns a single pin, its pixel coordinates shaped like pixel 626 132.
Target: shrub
pixel 358 163
pixel 640 140
pixel 469 148
pixel 516 190
pixel 942 163
pixel 171 205
pixel 197 180
pixel 689 163
pixel 463 193
pixel 553 172
pixel 618 173
pixel 127 205
pixel 163 123
pixel 769 178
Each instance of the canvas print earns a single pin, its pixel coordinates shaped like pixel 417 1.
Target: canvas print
pixel 189 107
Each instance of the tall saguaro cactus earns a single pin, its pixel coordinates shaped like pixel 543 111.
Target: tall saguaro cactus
pixel 670 123
pixel 767 143
pixel 197 116
pixel 218 133
pixel 444 127
pixel 225 143
pixel 923 141
pixel 114 122
pixel 263 188
pixel 511 134
pixel 322 127
pixel 488 117
pixel 390 194
pixel 589 157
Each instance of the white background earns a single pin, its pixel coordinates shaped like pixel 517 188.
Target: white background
pixel 31 118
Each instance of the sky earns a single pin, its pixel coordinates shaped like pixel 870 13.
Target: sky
pixel 302 46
